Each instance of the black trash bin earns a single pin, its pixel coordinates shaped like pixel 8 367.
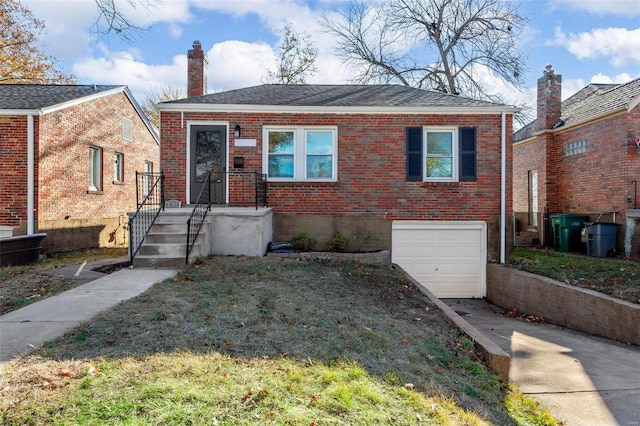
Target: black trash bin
pixel 601 239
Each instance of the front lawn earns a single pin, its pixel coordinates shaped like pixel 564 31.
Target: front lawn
pixel 22 285
pixel 244 341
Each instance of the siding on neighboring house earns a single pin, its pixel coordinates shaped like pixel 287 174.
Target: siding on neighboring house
pixel 588 162
pixel 72 216
pixel 13 170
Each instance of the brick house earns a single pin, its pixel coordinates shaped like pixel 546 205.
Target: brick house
pixel 581 156
pixel 378 163
pixel 68 157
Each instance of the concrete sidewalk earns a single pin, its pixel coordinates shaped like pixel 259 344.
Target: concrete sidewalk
pixel 583 380
pixel 25 329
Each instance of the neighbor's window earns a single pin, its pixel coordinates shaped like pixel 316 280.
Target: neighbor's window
pixel 126 129
pixel 148 178
pixel 95 168
pixel 576 147
pixel 118 167
pixel 301 153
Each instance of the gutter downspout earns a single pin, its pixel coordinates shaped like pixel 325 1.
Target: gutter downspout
pixel 503 189
pixel 30 174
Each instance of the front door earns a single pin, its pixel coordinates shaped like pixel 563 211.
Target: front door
pixel 208 154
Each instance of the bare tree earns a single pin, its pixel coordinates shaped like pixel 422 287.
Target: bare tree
pixel 296 60
pixel 433 44
pixel 111 18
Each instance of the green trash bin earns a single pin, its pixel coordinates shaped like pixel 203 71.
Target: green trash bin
pixel 567 231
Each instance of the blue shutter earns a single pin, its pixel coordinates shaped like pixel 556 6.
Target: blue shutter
pixel 414 153
pixel 467 152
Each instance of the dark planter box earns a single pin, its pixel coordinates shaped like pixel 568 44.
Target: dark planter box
pixel 20 250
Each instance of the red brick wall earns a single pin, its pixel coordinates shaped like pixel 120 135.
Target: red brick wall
pixel 589 183
pixel 600 179
pixel 63 139
pixel 526 157
pixel 371 166
pixel 13 170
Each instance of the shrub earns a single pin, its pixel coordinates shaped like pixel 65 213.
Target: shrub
pixel 337 243
pixel 303 242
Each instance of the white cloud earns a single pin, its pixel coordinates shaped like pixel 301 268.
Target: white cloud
pixel 234 64
pixel 620 45
pixel 122 68
pixel 601 7
pixel 605 79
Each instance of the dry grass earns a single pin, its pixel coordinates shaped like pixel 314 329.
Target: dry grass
pixel 23 285
pixel 614 277
pixel 363 340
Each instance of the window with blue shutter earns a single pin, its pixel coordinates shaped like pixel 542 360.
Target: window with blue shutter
pixel 467 152
pixel 415 157
pixel 432 161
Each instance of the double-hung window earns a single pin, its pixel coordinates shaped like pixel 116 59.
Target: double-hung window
pixel 440 148
pixel 118 167
pixel 441 154
pixel 95 168
pixel 301 153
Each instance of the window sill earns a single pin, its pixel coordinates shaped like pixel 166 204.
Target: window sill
pixel 95 192
pixel 117 182
pixel 427 184
pixel 309 183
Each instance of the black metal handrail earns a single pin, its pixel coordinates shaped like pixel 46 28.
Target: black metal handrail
pixel 152 186
pixel 199 213
pixel 246 188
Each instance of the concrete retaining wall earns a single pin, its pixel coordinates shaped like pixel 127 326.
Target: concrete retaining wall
pixel 564 305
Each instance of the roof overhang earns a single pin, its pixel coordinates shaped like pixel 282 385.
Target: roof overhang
pixel 19 112
pixel 294 109
pixel 57 107
pixel 77 101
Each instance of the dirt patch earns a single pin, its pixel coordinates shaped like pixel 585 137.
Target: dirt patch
pixel 111 268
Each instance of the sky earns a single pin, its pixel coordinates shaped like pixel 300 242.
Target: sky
pixel 586 41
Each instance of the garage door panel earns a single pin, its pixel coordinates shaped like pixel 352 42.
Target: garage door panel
pixel 449 258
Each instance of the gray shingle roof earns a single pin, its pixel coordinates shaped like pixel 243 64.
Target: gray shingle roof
pixel 313 95
pixel 37 96
pixel 590 102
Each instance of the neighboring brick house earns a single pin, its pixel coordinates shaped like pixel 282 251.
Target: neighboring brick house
pixel 353 159
pixel 68 157
pixel 582 156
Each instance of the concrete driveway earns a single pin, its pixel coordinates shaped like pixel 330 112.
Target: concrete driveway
pixel 583 380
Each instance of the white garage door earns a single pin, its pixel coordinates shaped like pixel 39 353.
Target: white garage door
pixel 448 258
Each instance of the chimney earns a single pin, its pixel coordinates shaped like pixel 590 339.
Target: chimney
pixel 549 99
pixel 196 71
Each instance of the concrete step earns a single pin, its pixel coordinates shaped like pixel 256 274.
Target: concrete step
pixel 166 238
pixel 158 262
pixel 163 249
pixel 162 228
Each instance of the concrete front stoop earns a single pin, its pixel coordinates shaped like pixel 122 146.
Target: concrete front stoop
pixel 165 246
